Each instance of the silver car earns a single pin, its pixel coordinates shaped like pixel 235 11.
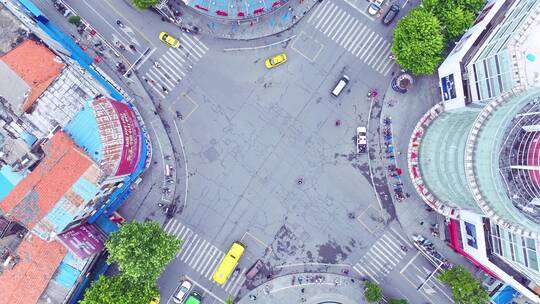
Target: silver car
pixel 183 291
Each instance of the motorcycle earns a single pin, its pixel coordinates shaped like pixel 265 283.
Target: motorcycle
pixel 120 24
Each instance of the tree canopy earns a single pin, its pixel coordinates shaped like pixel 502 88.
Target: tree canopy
pixel 142 250
pixel 397 301
pixel 418 42
pixel 144 4
pixel 372 291
pixel 465 288
pixel 118 290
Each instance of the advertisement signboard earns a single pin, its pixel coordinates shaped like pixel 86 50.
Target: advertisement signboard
pixel 132 139
pixel 84 240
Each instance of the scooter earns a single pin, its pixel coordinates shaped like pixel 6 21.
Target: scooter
pixel 120 24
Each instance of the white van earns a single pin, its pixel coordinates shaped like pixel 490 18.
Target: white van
pixel 340 85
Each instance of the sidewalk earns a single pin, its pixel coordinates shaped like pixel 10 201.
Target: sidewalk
pixel 329 288
pixel 140 204
pixel 268 24
pixel 412 212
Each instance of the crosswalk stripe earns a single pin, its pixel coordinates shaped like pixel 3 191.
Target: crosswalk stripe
pixel 200 253
pixel 387 67
pixel 368 273
pixel 153 86
pixel 363 43
pixel 341 27
pixel 177 56
pixel 393 239
pixel 317 11
pixel 168 228
pixel 399 235
pixel 169 223
pixel 392 260
pixel 184 234
pixel 393 254
pixel 178 235
pixel 365 46
pixel 155 76
pixel 335 23
pixel 374 258
pixel 200 43
pixel 164 77
pixel 374 267
pixel 195 45
pixel 207 259
pixel 212 267
pixel 369 47
pixel 169 67
pixel 392 243
pixel 353 44
pixel 358 270
pixel 190 249
pixel 188 48
pixel 374 50
pixel 384 51
pixel 161 77
pixel 324 20
pixel 240 278
pixel 187 242
pixel 353 29
pixel 324 13
pixel 175 230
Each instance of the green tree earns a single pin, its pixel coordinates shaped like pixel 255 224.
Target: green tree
pixel 472 6
pixel 144 4
pixel 74 20
pixel 455 21
pixel 465 288
pixel 142 250
pixel 398 301
pixel 229 300
pixel 118 290
pixel 372 291
pixel 418 43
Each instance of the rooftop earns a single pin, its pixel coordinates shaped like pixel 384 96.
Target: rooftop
pixel 36 65
pixel 38 261
pixel 56 176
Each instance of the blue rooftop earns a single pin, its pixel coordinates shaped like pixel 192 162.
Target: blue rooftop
pixel 83 129
pixel 8 180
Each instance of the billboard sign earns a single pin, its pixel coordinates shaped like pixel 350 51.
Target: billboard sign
pixel 131 138
pixel 448 87
pixel 84 240
pixel 470 230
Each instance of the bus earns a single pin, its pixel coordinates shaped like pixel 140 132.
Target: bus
pixel 228 263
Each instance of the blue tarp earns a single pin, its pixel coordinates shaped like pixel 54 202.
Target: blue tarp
pixel 84 131
pixel 8 180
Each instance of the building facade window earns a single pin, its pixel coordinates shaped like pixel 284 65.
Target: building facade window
pixel 518 249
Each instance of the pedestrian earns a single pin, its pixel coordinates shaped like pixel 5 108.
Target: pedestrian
pixel 421 223
pixel 302 290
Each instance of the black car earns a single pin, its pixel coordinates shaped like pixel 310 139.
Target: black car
pixel 391 14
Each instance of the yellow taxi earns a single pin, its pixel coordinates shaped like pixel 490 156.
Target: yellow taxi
pixel 276 60
pixel 228 263
pixel 169 40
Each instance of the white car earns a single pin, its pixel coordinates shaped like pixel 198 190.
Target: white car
pixel 361 140
pixel 375 7
pixel 183 292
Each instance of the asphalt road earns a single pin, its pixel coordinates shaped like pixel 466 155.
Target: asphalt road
pixel 241 137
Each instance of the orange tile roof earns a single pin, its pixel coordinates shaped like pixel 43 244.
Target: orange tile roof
pixel 34 196
pixel 29 277
pixel 36 65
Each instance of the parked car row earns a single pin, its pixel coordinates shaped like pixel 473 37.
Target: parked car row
pixel 375 7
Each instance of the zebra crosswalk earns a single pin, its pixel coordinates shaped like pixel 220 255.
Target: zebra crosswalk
pixel 383 256
pixel 173 65
pixel 354 36
pixel 203 257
